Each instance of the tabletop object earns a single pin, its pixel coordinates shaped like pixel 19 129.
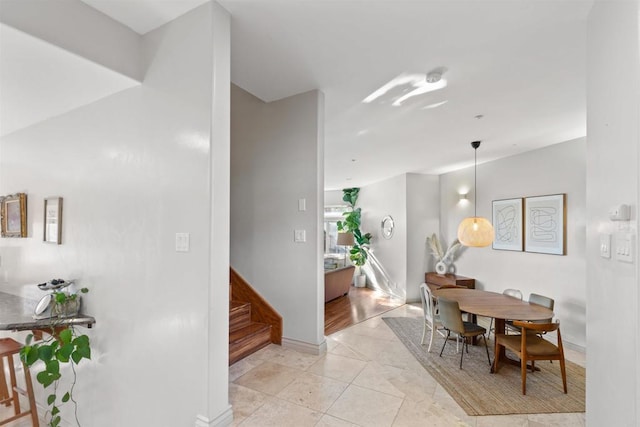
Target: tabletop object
pixel 16 314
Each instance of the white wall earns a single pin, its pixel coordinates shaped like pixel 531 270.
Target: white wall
pixel 134 169
pixel 613 98
pixel 388 197
pixel 276 159
pixel 413 202
pixel 423 219
pixel 556 169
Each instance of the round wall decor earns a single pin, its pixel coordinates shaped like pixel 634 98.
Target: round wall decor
pixel 387 227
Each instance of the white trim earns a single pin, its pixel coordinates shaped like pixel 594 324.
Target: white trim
pixel 222 420
pixel 576 347
pixel 305 347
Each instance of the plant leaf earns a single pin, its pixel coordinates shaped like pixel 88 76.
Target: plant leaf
pixel 53 367
pixel 51 399
pixel 45 352
pixel 65 352
pixel 81 340
pixel 66 336
pixel 66 397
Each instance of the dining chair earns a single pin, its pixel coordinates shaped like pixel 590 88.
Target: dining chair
pixel 451 319
pixel 538 300
pixel 514 293
pixel 530 346
pixel 431 316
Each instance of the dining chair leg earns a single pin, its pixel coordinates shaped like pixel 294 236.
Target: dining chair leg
pixel 564 375
pixel 523 370
pixel 462 352
pixel 433 334
pixel 424 332
pixel 486 347
pixel 445 341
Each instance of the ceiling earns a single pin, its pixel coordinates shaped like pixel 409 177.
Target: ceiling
pixel 515 74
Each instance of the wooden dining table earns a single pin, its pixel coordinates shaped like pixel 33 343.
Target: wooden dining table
pixel 499 306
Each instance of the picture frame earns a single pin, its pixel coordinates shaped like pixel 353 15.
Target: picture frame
pixel 13 215
pixel 52 220
pixel 545 224
pixel 508 224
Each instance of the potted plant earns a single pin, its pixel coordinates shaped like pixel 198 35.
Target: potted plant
pixel 351 224
pixel 63 346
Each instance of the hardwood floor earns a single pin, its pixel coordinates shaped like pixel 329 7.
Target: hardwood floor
pixel 359 305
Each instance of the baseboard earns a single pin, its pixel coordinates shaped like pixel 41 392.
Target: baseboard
pixel 572 346
pixel 223 420
pixel 305 347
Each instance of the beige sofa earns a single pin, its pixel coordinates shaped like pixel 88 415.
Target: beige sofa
pixel 337 282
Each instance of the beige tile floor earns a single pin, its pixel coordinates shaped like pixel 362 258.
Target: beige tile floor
pixel 367 378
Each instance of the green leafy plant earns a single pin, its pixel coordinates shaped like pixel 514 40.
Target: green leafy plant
pixel 63 346
pixel 351 224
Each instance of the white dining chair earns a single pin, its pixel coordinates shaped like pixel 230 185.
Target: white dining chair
pixel 431 316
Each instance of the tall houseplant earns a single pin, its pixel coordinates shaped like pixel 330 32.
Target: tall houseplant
pixel 351 224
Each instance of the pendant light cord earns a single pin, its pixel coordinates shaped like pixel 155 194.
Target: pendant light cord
pixel 475 182
pixel 475 145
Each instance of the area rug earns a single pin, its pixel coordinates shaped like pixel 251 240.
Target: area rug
pixel 478 391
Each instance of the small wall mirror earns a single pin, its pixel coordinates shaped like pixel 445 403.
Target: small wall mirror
pixel 387 227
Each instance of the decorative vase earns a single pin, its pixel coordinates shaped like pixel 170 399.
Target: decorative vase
pixel 441 267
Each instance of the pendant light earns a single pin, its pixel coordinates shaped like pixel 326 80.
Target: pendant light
pixel 475 231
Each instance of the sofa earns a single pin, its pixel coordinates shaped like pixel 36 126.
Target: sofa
pixel 337 282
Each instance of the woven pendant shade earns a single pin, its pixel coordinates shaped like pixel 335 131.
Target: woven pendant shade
pixel 476 232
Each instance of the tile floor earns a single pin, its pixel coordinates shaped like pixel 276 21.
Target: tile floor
pixel 367 378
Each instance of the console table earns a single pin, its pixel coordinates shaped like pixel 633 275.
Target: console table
pixel 16 314
pixel 436 281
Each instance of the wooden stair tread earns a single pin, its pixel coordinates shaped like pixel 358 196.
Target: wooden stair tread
pixel 247 340
pixel 234 305
pixel 251 329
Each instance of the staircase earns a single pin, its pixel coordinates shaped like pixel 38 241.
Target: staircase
pixel 245 336
pixel 253 322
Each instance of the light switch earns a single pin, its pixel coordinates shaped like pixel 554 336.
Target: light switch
pixel 302 205
pixel 605 245
pixel 299 236
pixel 625 247
pixel 182 242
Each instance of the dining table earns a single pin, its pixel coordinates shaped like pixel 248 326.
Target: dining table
pixel 497 305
